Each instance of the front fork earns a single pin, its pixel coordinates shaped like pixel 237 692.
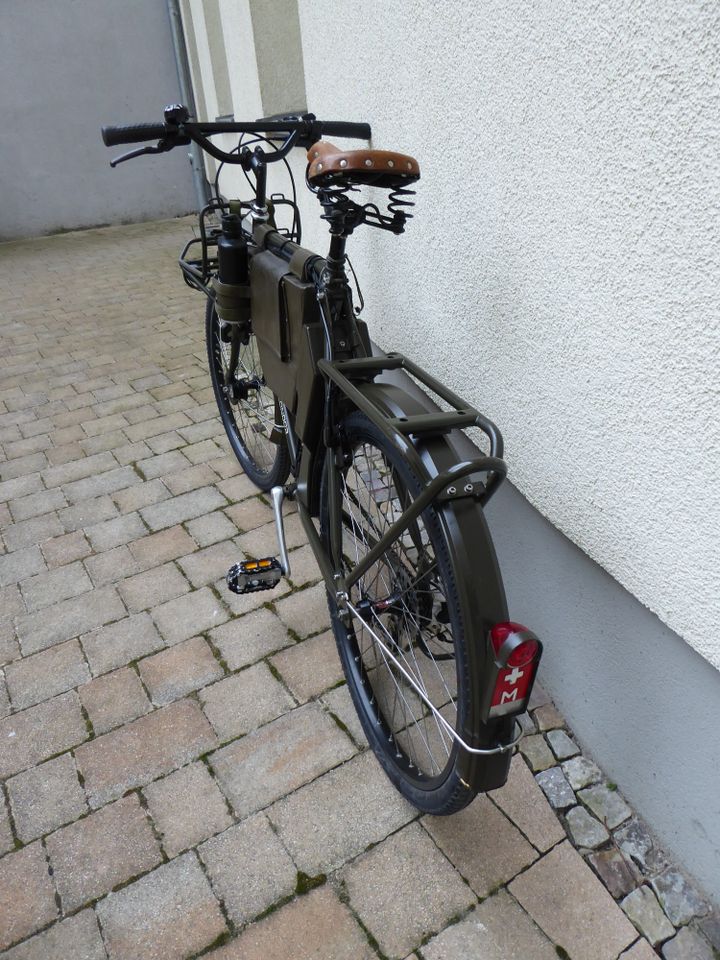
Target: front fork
pixel 234 354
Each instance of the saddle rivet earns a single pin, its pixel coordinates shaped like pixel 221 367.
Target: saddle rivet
pixel 368 162
pixel 319 166
pixel 343 163
pixel 390 163
pixel 316 154
pixel 451 491
pixel 409 166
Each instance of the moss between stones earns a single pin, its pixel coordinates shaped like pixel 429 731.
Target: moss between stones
pixel 305 883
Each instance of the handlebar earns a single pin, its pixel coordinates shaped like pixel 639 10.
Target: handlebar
pixel 135 133
pixel 179 129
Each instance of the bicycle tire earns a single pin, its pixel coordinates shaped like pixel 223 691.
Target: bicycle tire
pixel 249 424
pixel 374 487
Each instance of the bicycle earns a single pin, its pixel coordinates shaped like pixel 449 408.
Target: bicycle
pixel 389 497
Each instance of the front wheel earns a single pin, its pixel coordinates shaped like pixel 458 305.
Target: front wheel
pixel 408 599
pixel 248 408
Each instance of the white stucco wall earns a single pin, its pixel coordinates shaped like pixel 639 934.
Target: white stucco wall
pixel 562 271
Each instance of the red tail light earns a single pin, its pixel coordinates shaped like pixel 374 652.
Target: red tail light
pixel 517 655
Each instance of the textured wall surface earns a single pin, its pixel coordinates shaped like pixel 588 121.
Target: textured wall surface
pixel 563 269
pixel 65 70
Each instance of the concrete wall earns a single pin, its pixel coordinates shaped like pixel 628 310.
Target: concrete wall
pixel 65 70
pixel 563 270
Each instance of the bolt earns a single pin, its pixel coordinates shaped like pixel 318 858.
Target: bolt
pixel 451 491
pixel 468 488
pixel 342 344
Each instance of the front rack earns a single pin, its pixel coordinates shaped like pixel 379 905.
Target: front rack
pixel 198 270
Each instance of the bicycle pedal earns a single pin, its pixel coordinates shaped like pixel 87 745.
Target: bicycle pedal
pixel 253 575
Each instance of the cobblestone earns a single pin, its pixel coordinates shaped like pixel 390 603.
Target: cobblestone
pixel 571 906
pixel 143 750
pixel 168 914
pixel 616 871
pixel 312 927
pixel 46 797
pixel 384 892
pixel 359 807
pixel 687 945
pixel 120 642
pixel 173 673
pixel 31 736
pixel 242 642
pixel 70 618
pixel 635 841
pixel 246 700
pixel 249 868
pixel 537 752
pixel 556 788
pixel 187 807
pixel 561 744
pixel 607 805
pixel 646 913
pixel 27 895
pixel 581 772
pixel 46 674
pixel 78 938
pixel 585 830
pixel 95 854
pixel 280 757
pixel 680 901
pixel 114 699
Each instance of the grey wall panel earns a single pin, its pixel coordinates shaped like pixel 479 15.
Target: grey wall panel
pixel 644 704
pixel 65 70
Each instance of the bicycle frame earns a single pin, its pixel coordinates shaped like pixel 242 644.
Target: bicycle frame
pixel 349 380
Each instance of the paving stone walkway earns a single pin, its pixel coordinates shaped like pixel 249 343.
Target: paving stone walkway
pixel 182 772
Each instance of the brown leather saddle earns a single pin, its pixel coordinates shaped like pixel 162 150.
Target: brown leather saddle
pixel 381 168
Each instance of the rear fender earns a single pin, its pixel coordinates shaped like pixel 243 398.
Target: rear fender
pixel 472 554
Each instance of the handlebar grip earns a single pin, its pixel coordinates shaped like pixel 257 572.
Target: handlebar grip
pixel 338 128
pixel 135 133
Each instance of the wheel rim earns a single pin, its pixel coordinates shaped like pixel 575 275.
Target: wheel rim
pixel 403 600
pixel 252 419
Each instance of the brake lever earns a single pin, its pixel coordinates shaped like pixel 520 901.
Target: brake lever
pixel 162 147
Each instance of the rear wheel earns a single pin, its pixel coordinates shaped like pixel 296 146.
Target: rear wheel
pixel 248 408
pixel 409 600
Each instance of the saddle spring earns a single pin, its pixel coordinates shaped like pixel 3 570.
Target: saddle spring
pixel 345 214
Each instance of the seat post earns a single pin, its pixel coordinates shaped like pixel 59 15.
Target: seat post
pixel 336 257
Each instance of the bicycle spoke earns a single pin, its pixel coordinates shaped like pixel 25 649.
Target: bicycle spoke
pixel 403 593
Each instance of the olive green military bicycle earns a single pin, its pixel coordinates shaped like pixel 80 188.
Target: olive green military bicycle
pixel 373 450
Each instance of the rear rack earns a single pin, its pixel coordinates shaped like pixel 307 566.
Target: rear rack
pixel 397 429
